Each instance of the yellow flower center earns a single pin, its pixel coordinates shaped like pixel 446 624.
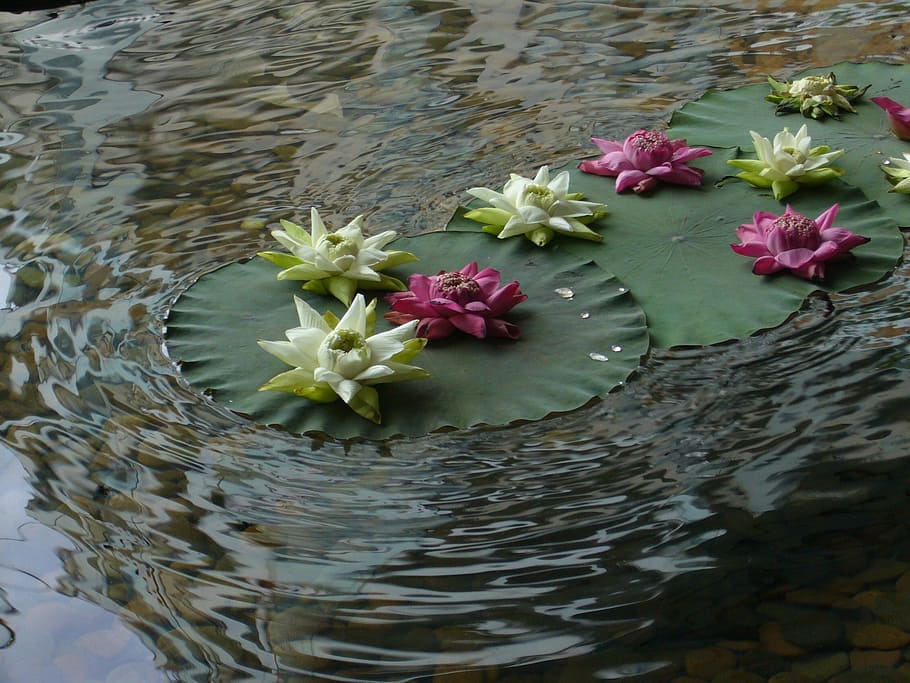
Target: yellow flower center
pixel 539 196
pixel 345 341
pixel 341 246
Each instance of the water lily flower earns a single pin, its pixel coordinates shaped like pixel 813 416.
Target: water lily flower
pixel 898 116
pixel 814 96
pixel 788 162
pixel 794 242
pixel 537 208
pixel 336 263
pixel 465 300
pixel 343 359
pixel 643 159
pixel 898 171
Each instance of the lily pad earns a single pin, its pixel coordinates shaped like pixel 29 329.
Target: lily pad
pixel 213 328
pixel 672 249
pixel 723 118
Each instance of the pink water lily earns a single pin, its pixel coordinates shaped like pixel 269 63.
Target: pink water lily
pixel 794 242
pixel 898 116
pixel 465 300
pixel 644 159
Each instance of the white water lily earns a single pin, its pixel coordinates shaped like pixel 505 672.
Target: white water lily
pixel 537 208
pixel 344 360
pixel 814 96
pixel 788 162
pixel 898 171
pixel 338 262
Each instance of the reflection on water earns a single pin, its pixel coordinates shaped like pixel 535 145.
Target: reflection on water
pixel 144 144
pixel 42 631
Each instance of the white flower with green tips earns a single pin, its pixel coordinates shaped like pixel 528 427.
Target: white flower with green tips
pixel 336 263
pixel 788 162
pixel 343 359
pixel 537 208
pixel 898 173
pixel 814 96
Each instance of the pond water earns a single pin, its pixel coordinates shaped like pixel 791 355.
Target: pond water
pixel 726 504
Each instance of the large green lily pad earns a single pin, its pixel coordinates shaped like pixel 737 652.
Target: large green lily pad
pixel 213 328
pixel 724 118
pixel 672 249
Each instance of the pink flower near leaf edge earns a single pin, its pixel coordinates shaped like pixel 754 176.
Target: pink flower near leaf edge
pixel 794 242
pixel 465 300
pixel 898 116
pixel 645 158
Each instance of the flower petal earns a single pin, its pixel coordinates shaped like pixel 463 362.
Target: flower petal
pixel 472 324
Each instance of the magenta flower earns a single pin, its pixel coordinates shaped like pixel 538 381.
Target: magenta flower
pixel 898 115
pixel 646 157
pixel 465 300
pixel 794 242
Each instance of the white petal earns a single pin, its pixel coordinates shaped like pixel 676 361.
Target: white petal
pixel 533 214
pixel 285 239
pixel 308 317
pixel 377 242
pixel 516 226
pixel 284 351
pixel 351 232
pixel 317 230
pixel 560 184
pixel 355 317
pixel 560 224
pixel 386 344
pixel 485 193
pixel 373 373
pixel 763 147
pixel 306 342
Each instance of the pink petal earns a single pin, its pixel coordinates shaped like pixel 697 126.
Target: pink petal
pixel 776 241
pixel 811 271
pixel 434 328
pixel 762 221
pixel 505 298
pixel 893 108
pixel 684 154
pixel 395 297
pixel 845 239
pixel 635 179
pixel 898 116
pixel 826 219
pixel 748 232
pixel 607 146
pixel 447 304
pixel 503 329
pixel 679 174
pixel 766 265
pixel 472 324
pixel 488 279
pixel 795 258
pixel 399 318
pixel 594 166
pixel 470 270
pixel 751 249
pixel 420 285
pixel 826 251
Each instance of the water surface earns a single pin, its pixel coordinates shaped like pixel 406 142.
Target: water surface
pixel 146 143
